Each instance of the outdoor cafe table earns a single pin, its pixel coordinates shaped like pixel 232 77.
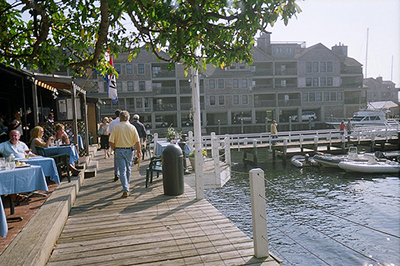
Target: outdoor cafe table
pixel 70 150
pixel 160 146
pixel 20 180
pixel 48 165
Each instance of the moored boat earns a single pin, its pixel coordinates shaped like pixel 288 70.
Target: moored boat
pixel 373 166
pixel 303 161
pixel 332 161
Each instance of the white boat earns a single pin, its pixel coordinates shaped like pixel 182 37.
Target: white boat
pixel 332 161
pixel 303 161
pixel 368 118
pixel 373 166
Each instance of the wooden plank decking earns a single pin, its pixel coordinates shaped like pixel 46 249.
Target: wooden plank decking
pixel 148 227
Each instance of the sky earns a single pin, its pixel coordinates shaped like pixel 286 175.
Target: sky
pixel 331 22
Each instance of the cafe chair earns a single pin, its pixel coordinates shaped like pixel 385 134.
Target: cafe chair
pixel 61 160
pixel 155 165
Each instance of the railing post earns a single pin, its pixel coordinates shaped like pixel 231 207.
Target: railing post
pixel 259 213
pixel 215 156
pixel 315 144
pixel 227 150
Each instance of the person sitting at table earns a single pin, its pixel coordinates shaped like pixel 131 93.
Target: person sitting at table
pixel 14 146
pixel 61 134
pixel 18 148
pixel 37 139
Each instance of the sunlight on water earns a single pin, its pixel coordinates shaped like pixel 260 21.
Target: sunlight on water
pixel 310 206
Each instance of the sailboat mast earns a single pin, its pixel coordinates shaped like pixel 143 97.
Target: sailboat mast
pixel 366 57
pixel 391 70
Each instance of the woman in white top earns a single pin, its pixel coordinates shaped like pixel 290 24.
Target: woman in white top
pixel 37 139
pixel 104 143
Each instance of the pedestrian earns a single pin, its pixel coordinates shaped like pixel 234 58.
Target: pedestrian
pixel 104 137
pixel 274 130
pixel 342 126
pixel 50 118
pixel 141 129
pixel 124 139
pixel 17 123
pixel 111 125
pixel 349 128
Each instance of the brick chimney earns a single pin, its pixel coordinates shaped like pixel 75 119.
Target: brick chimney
pixel 340 49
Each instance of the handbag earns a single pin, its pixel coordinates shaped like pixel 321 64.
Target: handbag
pixel 100 132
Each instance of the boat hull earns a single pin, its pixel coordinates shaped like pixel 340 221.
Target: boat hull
pixel 376 168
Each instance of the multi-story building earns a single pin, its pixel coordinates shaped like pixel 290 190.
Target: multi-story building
pixel 381 90
pixel 285 80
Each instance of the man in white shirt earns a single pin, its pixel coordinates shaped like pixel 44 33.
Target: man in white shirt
pixel 110 128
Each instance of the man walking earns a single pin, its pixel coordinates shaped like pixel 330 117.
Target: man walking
pixel 110 128
pixel 141 131
pixel 124 139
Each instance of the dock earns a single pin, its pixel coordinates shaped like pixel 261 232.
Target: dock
pixel 147 228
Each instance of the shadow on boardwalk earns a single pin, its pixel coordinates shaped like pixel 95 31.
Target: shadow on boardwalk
pixel 148 227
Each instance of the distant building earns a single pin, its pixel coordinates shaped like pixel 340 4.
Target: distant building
pixel 284 80
pixel 381 90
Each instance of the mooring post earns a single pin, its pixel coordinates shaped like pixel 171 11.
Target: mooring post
pixel 284 152
pixel 255 153
pixel 373 142
pixel 343 143
pixel 227 150
pixel 259 213
pixel 315 144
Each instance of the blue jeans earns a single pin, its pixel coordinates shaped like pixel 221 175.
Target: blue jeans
pixel 123 160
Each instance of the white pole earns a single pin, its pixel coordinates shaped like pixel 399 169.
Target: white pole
pixel 198 155
pixel 259 213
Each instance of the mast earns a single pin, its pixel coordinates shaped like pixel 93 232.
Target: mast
pixel 391 70
pixel 366 57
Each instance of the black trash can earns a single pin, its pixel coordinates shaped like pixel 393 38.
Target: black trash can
pixel 172 169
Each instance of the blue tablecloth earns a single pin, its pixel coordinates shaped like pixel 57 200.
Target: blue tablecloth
pixel 70 150
pixel 19 180
pixel 48 165
pixel 3 221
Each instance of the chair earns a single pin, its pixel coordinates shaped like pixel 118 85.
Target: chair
pixel 61 160
pixel 155 165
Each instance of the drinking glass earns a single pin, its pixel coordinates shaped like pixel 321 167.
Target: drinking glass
pixel 2 163
pixel 27 154
pixel 10 165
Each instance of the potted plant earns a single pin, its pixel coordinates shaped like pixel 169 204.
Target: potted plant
pixel 172 134
pixel 191 157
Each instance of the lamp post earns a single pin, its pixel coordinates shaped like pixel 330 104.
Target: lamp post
pixel 266 124
pixel 241 122
pixel 290 123
pixel 219 126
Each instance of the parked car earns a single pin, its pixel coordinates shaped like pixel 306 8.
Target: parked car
pixel 187 123
pixel 305 116
pixel 159 123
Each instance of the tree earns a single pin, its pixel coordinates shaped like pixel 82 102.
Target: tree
pixel 76 33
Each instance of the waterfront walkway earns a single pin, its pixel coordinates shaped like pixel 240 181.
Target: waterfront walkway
pixel 147 228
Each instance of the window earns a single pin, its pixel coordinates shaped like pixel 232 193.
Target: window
pixel 279 50
pixel 311 97
pixel 326 96
pixel 118 68
pixel 318 96
pixel 139 103
pixel 156 70
pixel 212 100
pixel 329 81
pixel 315 82
pixel 283 83
pixel 308 67
pixel 236 99
pixel 129 69
pixel 130 85
pixel 340 96
pixel 308 82
pixel 140 68
pixel 333 96
pixel 221 100
pixel 329 67
pixel 253 68
pixel 242 66
pixel 212 84
pixel 142 86
pixel 304 97
pixel 288 50
pixel 283 68
pixel 146 102
pixel 131 103
pixel 322 81
pixel 119 86
pixel 244 83
pixel 235 83
pixel 233 66
pixel 221 84
pixel 315 66
pixel 245 99
pixel 323 67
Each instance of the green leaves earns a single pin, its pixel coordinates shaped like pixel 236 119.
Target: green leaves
pixel 190 32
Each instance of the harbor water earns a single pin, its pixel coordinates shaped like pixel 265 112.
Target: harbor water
pixel 318 216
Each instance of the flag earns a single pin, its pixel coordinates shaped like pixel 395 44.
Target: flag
pixel 111 81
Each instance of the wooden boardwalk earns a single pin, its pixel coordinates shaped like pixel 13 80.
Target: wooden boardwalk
pixel 148 227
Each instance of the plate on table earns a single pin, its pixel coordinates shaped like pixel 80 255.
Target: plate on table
pixel 23 165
